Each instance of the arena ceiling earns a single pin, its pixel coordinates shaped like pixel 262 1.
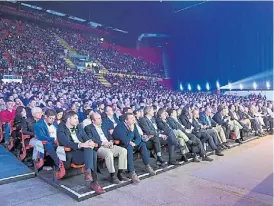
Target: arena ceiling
pixel 134 17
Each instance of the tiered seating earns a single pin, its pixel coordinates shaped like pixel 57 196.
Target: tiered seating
pixel 36 53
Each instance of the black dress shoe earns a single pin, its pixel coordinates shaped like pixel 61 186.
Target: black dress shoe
pixel 184 158
pixel 206 158
pixel 161 162
pixel 196 159
pixel 225 146
pixel 238 141
pixel 218 153
pixel 122 177
pixel 114 180
pixel 173 162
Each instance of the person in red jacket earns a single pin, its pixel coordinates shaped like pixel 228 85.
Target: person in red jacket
pixel 6 116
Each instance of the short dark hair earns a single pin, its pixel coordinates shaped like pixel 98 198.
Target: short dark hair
pixel 88 111
pixel 161 111
pixel 50 113
pixel 126 115
pixel 68 115
pixel 170 111
pixel 19 110
pixel 105 109
pixel 125 110
pixel 48 101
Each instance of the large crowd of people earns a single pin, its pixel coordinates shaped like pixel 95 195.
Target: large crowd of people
pixel 62 106
pixel 25 38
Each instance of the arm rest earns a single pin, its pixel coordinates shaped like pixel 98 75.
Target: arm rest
pixel 67 149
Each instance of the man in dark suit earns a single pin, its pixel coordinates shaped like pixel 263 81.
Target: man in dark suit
pixel 125 110
pixel 174 141
pixel 130 139
pixel 254 124
pixel 206 119
pixel 110 121
pixel 193 141
pixel 106 149
pixel 46 130
pixel 149 127
pixel 70 134
pixel 221 119
pixel 192 125
pixel 208 130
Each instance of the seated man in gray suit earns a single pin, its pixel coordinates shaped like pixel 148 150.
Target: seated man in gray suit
pixel 194 142
pixel 149 127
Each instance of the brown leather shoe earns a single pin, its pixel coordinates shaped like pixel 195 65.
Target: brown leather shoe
pixel 97 188
pixel 134 178
pixel 150 170
pixel 61 171
pixel 121 176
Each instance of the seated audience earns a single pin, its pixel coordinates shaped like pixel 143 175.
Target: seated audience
pixel 106 148
pixel 72 135
pixel 130 139
pixel 46 130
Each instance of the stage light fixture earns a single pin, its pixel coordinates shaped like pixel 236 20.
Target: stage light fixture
pixel 189 87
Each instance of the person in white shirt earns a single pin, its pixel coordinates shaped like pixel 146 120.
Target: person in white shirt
pixel 107 150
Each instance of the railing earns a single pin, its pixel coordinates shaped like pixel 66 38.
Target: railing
pixel 12 78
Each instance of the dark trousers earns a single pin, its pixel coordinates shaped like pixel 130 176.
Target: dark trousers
pixel 255 125
pixel 154 143
pixel 16 135
pixel 50 148
pixel 171 148
pixel 7 132
pixel 268 121
pixel 143 151
pixel 85 156
pixel 199 149
pixel 227 131
pixel 214 136
pixel 206 138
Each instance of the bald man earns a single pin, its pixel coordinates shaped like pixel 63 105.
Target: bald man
pixel 106 149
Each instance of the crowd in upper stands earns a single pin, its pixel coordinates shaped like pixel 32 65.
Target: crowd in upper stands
pixel 24 39
pixel 62 106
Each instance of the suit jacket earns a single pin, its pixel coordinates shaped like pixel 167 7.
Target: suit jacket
pixel 147 126
pixel 242 115
pixel 122 133
pixel 108 124
pixel 185 121
pixel 219 119
pixel 196 125
pixel 28 128
pixel 93 134
pixel 174 124
pixel 41 131
pixel 26 125
pixel 205 121
pixel 233 117
pixel 167 130
pixel 65 139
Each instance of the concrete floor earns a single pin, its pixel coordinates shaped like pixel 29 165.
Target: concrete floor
pixel 244 176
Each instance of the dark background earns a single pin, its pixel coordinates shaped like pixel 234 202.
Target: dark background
pixel 227 41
